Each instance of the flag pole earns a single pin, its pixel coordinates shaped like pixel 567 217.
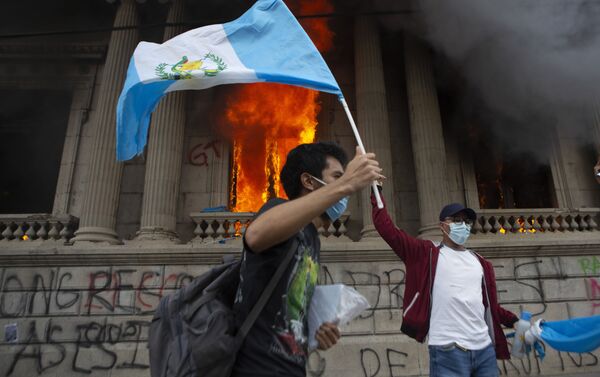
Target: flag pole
pixel 361 146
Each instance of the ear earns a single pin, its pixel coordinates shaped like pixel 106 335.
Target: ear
pixel 443 227
pixel 307 182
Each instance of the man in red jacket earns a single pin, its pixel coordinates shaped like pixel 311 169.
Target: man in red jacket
pixel 450 295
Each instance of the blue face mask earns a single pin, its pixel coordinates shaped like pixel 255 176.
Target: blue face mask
pixel 337 210
pixel 459 232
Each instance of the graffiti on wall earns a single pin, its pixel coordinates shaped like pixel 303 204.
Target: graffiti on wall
pixel 85 320
pixel 590 267
pixel 202 153
pixel 43 350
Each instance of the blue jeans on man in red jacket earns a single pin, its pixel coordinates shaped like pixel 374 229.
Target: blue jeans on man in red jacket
pixel 454 361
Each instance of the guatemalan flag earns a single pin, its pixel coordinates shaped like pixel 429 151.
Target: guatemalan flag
pixel 266 44
pixel 570 335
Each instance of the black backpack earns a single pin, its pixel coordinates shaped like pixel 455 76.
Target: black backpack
pixel 193 332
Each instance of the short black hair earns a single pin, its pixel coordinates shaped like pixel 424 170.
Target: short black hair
pixel 308 158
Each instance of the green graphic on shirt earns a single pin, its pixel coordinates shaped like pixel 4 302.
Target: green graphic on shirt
pixel 296 303
pixel 302 287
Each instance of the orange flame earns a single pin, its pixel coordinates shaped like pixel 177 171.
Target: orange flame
pixel 522 228
pixel 317 28
pixel 239 228
pixel 266 121
pixel 506 228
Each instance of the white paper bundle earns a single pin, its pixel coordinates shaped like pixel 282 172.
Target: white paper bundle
pixel 335 303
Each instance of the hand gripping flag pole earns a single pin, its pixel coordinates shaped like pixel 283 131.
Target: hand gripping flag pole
pixel 361 146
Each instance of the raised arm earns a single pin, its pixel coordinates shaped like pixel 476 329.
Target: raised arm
pixel 404 245
pixel 283 221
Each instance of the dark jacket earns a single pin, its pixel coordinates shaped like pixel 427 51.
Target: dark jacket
pixel 420 258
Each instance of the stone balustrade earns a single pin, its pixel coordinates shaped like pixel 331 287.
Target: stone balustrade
pixel 536 221
pixel 216 226
pixel 336 231
pixel 37 227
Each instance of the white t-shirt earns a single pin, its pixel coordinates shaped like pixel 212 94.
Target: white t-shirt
pixel 457 312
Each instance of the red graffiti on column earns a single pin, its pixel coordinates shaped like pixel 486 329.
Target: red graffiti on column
pixel 198 155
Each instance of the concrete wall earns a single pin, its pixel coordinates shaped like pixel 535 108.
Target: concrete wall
pixel 78 319
pixel 205 162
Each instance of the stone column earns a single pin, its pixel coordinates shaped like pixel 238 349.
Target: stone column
pixel 98 216
pixel 79 109
pixel 164 156
pixel 427 136
pixel 596 130
pixel 372 111
pixel 560 175
pixel 470 181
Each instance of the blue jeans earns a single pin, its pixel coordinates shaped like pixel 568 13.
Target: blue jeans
pixel 453 361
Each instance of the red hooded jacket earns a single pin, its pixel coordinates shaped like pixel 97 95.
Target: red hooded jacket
pixel 420 258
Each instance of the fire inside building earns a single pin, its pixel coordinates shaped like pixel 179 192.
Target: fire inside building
pixel 89 245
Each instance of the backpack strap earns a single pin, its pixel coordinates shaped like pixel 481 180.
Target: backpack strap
pixel 268 291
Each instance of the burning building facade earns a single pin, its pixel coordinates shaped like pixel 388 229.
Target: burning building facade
pixel 89 245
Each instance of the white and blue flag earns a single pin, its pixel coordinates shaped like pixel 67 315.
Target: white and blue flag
pixel 570 335
pixel 578 335
pixel 266 44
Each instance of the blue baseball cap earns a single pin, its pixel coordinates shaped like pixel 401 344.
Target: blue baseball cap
pixel 454 208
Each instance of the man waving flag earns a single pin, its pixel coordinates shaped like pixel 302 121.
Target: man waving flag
pixel 266 44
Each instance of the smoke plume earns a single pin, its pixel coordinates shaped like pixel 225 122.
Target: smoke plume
pixel 532 61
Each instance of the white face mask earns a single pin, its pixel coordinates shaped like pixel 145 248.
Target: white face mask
pixel 459 233
pixel 337 210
